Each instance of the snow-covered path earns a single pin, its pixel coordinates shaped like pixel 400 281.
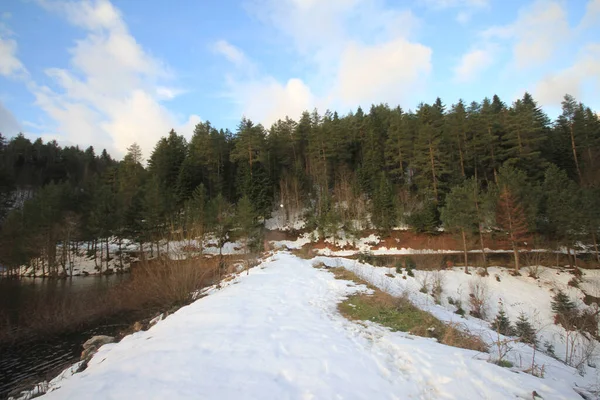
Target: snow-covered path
pixel 276 334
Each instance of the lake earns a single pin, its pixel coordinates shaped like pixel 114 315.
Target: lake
pixel 34 361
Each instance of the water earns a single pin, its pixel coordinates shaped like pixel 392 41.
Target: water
pixel 31 362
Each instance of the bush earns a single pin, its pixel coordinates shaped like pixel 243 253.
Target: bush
pixel 366 257
pixel 408 263
pixel 504 363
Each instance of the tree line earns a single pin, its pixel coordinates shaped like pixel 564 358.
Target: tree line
pixel 470 168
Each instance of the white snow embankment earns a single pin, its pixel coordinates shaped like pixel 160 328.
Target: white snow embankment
pixel 277 334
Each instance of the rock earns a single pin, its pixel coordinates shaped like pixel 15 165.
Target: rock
pixel 87 354
pixel 98 341
pixel 137 326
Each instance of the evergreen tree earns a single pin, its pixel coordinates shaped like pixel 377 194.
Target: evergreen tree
pixel 502 325
pixel 460 214
pixel 511 219
pixel 383 209
pixel 562 205
pixel 524 330
pixel 247 223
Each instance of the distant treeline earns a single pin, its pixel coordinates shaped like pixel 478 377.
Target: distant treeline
pixel 471 167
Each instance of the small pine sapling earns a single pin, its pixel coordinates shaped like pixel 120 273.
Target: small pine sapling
pixel 501 323
pixel 524 330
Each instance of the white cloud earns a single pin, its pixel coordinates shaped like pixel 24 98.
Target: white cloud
pixel 443 4
pixel 110 97
pixel 353 51
pixel 540 29
pixel 267 100
pixel 467 7
pixel 230 52
pixel 9 126
pixel 10 65
pixel 592 14
pixel 381 73
pixel 473 63
pixel 463 17
pixel 584 71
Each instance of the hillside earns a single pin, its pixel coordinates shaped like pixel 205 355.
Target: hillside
pixel 277 333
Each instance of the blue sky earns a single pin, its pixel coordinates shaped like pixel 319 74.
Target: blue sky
pixel 110 73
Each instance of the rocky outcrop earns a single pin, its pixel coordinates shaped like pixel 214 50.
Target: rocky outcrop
pixel 91 346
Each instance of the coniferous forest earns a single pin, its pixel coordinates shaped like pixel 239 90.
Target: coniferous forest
pixel 470 168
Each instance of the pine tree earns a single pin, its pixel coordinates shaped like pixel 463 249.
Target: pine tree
pixel 511 219
pixel 562 205
pixel 589 216
pixel 195 215
pixel 562 304
pixel 524 330
pixel 457 135
pixel 398 146
pixel 429 159
pixel 502 325
pixel 460 214
pixel 383 210
pixel 245 216
pixel 526 133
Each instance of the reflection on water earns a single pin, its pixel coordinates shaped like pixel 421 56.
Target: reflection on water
pixel 31 362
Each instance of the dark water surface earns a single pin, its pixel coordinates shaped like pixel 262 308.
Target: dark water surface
pixel 27 363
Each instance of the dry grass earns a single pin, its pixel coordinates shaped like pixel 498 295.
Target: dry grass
pixel 453 336
pixel 344 274
pixel 399 314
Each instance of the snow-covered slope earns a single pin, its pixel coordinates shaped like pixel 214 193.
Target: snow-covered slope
pixel 277 334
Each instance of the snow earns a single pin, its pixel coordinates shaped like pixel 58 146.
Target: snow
pixel 280 220
pixel 276 334
pixel 302 240
pixel 518 294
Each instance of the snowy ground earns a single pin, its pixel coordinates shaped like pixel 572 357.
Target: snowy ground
pixel 516 294
pixel 277 334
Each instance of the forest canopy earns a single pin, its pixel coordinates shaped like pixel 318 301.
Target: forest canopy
pixel 471 166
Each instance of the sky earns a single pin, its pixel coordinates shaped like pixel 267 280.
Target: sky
pixel 111 73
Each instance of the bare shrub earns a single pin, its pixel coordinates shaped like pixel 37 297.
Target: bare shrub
pixel 437 286
pixel 478 298
pixel 535 261
pixel 423 280
pixel 166 282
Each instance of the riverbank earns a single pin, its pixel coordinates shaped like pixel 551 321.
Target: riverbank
pixel 276 332
pixel 59 323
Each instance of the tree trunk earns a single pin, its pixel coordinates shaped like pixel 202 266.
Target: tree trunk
pixel 516 253
pixel 574 148
pixel 121 254
pixel 107 253
pixel 142 255
pixel 435 193
pixel 595 246
pixel 485 263
pixel 95 249
pixel 464 238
